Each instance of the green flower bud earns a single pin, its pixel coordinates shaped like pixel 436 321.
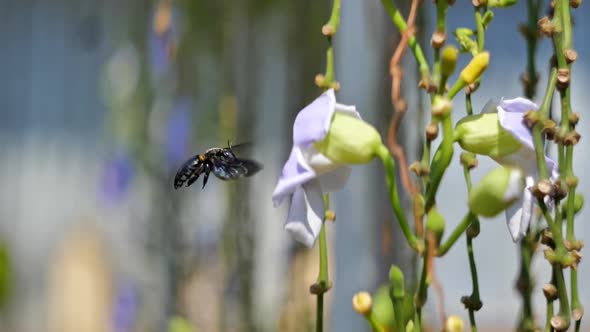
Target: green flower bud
pixel 382 307
pixel 487 18
pixel 449 60
pixel 410 326
pixel 482 134
pixel 466 32
pixel 396 283
pixel 501 3
pixel 435 223
pixel 476 67
pixel 578 205
pixel 496 191
pixel 350 141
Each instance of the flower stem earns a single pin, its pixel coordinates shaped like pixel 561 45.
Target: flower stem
pixel 440 162
pixel 421 292
pixel 480 30
pixel 401 25
pixel 524 282
pixel 372 320
pixel 389 165
pixel 442 250
pixel 474 299
pixel 550 312
pixel 468 105
pixel 322 284
pixel 531 36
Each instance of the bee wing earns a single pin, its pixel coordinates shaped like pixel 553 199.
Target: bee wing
pixel 252 167
pixel 235 169
pixel 189 172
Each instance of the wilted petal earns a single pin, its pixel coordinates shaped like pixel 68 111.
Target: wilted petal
pixel 306 213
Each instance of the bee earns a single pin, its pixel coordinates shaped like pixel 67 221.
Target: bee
pixel 223 162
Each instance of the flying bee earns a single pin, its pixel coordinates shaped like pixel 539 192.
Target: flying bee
pixel 223 162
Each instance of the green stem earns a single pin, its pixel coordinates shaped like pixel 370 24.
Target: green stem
pixel 531 38
pixel 550 312
pixel 475 283
pixel 524 283
pixel 546 104
pixel 468 105
pixel 474 298
pixel 390 174
pixel 480 31
pixel 442 250
pixel 421 293
pixel 335 16
pixel 441 162
pixel 319 326
pixel 323 283
pixel 564 309
pixel 375 326
pixel 329 76
pixel 402 26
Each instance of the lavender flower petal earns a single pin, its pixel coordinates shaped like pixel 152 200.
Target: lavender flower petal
pixel 306 213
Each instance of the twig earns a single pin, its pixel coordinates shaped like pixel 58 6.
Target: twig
pixel 400 106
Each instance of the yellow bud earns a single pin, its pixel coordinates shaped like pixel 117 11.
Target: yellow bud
pixel 362 303
pixel 350 141
pixel 449 60
pixel 454 324
pixel 476 67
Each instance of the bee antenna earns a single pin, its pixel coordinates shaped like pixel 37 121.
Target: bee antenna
pixel 229 144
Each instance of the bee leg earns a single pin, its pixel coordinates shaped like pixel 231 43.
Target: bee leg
pixel 192 179
pixel 206 170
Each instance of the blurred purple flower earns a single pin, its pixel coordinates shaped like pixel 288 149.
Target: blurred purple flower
pixel 177 134
pixel 125 308
pixel 162 40
pixel 160 52
pixel 116 178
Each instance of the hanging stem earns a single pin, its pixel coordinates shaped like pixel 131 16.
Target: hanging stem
pixel 389 165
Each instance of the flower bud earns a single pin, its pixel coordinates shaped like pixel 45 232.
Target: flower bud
pixel 435 223
pixel 350 141
pixel 382 309
pixel 362 302
pixel 487 18
pixel 496 191
pixel 454 324
pixel 449 60
pixel 476 67
pixel 578 204
pixel 396 283
pixel 482 134
pixel 410 326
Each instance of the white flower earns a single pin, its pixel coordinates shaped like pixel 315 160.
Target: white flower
pixel 506 138
pixel 327 136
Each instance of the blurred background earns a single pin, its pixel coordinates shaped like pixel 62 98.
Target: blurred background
pixel 101 101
